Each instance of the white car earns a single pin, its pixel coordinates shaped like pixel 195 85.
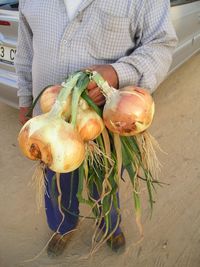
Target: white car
pixel 186 20
pixel 185 17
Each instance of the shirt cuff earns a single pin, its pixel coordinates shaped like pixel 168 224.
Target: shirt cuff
pixel 25 101
pixel 127 74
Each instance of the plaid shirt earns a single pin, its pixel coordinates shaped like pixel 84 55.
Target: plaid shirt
pixel 135 36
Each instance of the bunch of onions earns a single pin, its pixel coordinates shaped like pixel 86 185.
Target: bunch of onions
pixel 70 119
pixel 51 139
pixel 128 111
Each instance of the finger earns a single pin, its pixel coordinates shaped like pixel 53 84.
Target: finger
pixel 98 99
pixel 92 85
pixel 94 92
pixel 22 122
pixel 100 103
pixel 92 68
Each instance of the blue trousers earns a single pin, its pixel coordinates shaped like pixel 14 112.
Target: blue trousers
pixel 69 202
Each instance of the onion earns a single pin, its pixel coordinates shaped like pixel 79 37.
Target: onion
pixel 89 123
pixel 53 141
pixel 127 111
pixel 48 99
pixel 49 138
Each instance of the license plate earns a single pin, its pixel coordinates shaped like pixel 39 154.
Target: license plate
pixel 7 54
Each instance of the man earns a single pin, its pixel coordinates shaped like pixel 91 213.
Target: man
pixel 126 41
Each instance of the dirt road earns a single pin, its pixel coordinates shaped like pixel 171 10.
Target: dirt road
pixel 171 236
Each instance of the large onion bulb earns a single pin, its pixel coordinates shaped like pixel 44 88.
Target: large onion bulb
pixel 128 111
pixel 53 141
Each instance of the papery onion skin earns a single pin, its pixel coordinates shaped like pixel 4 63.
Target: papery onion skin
pixel 53 141
pixel 89 123
pixel 48 99
pixel 129 111
pixel 89 127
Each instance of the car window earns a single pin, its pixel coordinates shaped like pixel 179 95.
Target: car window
pixel 181 2
pixel 9 4
pixel 4 2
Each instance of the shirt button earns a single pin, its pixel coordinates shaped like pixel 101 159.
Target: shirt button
pixel 67 43
pixel 80 17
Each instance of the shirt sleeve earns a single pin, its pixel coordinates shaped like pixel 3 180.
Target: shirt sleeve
pixel 23 60
pixel 156 39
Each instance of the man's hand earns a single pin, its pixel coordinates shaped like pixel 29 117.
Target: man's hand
pixel 22 114
pixel 109 74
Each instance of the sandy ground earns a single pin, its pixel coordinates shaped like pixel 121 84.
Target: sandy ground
pixel 171 236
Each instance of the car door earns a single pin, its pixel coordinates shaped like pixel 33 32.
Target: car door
pixel 8 40
pixel 185 16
